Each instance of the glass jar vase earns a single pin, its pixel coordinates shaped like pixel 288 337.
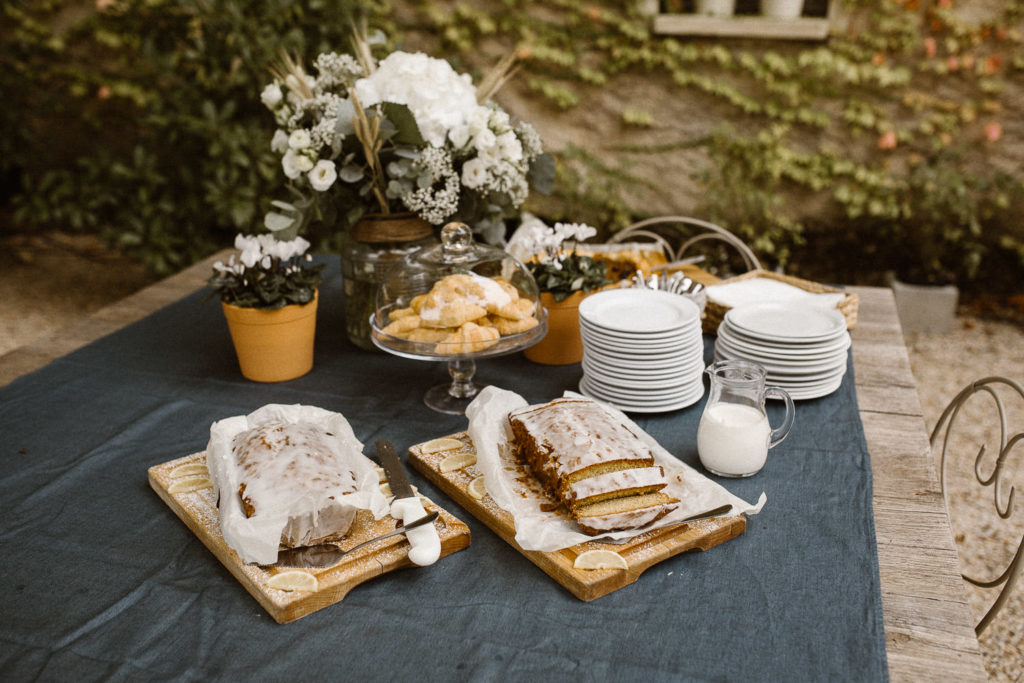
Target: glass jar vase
pixel 377 243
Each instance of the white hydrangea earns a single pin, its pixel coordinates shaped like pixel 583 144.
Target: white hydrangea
pixel 437 96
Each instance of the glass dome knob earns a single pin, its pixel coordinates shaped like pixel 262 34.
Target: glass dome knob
pixel 456 243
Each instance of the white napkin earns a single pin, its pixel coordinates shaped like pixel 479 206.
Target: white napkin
pixel 767 290
pixel 547 531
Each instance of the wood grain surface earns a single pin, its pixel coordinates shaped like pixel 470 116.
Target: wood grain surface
pixel 195 504
pixel 929 628
pixel 642 552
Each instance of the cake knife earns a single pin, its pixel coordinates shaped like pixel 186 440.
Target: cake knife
pixel 426 545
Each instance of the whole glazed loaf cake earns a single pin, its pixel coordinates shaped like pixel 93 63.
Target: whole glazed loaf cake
pixel 601 471
pixel 281 462
pixel 287 476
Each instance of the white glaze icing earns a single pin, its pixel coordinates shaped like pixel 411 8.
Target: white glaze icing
pixel 557 427
pixel 631 519
pixel 636 477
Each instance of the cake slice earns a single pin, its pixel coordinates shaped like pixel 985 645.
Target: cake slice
pixel 596 466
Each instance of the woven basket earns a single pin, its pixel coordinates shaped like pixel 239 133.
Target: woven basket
pixel 714 312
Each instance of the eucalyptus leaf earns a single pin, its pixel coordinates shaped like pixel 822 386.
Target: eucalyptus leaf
pixel 351 173
pixel 542 173
pixel 276 222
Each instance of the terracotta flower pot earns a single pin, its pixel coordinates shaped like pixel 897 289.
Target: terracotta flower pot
pixel 562 344
pixel 273 346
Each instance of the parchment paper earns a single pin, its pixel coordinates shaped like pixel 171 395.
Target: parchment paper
pixel 522 497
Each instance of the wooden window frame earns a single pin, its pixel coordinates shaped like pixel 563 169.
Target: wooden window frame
pixel 746 26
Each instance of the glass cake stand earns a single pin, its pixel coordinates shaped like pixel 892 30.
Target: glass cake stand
pixel 457 254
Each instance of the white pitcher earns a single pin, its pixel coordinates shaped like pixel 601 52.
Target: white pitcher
pixel 734 435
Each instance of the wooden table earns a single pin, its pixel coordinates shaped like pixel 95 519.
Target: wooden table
pixel 929 628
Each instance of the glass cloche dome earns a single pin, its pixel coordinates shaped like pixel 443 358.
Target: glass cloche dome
pixel 458 302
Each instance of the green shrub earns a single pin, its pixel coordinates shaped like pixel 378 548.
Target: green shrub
pixel 143 122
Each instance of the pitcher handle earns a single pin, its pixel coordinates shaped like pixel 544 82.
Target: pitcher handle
pixel 779 434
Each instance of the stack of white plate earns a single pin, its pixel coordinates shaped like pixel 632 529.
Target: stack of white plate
pixel 802 348
pixel 643 350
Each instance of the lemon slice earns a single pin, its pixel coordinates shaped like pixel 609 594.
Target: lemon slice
pixel 600 559
pixel 457 462
pixel 188 469
pixel 476 488
pixel 294 580
pixel 438 445
pixel 190 484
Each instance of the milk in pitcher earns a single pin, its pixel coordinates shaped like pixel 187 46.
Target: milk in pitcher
pixel 732 439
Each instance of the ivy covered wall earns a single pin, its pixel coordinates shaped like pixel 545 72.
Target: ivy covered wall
pixel 894 144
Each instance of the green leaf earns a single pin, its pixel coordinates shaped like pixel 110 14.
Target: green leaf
pixel 407 130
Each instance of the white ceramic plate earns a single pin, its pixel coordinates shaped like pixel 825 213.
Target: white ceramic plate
pixel 786 322
pixel 821 348
pixel 633 382
pixel 641 372
pixel 639 310
pixel 643 407
pixel 685 331
pixel 802 366
pixel 688 337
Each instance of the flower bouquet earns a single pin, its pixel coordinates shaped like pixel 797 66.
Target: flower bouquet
pixel 406 134
pixel 384 150
pixel 269 298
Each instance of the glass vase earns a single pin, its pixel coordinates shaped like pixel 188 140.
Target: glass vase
pixel 377 243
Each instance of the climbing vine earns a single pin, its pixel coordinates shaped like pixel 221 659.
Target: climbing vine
pixel 888 128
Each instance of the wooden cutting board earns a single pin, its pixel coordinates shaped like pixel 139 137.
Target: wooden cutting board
pixel 184 485
pixel 640 553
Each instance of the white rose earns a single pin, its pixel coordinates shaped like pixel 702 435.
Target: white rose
pixel 499 119
pixel 478 119
pixel 484 140
pixel 509 146
pixel 279 143
pixel 299 139
pixel 303 163
pixel 290 164
pixel 272 96
pixel 323 175
pixel 474 173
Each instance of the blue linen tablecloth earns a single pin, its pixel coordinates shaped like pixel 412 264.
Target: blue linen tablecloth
pixel 101 580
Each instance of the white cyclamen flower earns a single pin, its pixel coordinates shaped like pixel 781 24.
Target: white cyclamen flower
pixel 272 96
pixel 279 143
pixel 299 139
pixel 323 175
pixel 474 173
pixel 577 232
pixel 251 251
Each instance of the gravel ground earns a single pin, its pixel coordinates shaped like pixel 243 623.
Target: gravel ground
pixel 47 281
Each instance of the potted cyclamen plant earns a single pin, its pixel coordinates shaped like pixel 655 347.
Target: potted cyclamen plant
pixel 269 298
pixel 384 151
pixel 564 277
